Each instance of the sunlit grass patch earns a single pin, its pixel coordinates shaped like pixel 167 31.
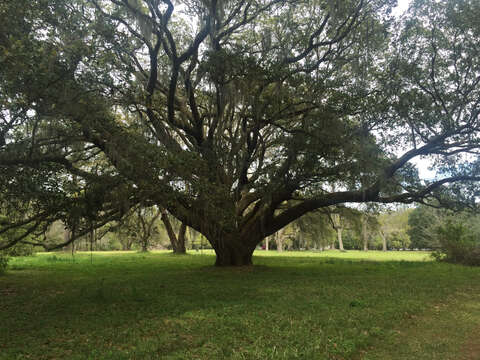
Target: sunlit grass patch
pixel 353 255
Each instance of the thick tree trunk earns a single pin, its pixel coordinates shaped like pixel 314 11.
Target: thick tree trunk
pixel 234 249
pixel 228 255
pixel 266 243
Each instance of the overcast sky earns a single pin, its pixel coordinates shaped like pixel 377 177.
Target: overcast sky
pixel 402 6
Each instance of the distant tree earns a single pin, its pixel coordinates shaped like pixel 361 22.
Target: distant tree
pixel 56 232
pixel 147 226
pixel 315 230
pixel 125 233
pixel 369 225
pixel 138 227
pixel 394 229
pixel 342 217
pixel 177 240
pixel 351 239
pixel 125 230
pixel 399 240
pixel 457 244
pixel 365 232
pixel 423 222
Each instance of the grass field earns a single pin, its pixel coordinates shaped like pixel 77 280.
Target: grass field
pixel 295 305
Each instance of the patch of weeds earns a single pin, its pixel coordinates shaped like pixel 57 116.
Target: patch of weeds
pixel 357 303
pixel 53 258
pixel 3 263
pixel 340 348
pixel 377 331
pixel 59 259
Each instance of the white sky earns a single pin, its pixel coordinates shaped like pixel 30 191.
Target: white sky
pixel 423 171
pixel 401 7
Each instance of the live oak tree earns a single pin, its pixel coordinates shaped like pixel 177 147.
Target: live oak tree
pixel 393 229
pixel 341 218
pixel 238 117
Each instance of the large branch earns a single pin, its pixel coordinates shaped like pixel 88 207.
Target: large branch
pixel 34 161
pixel 325 200
pixel 342 32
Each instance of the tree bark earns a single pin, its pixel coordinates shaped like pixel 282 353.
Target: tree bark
pixel 340 240
pixel 229 255
pixel 384 241
pixel 144 245
pixel 335 220
pixel 126 244
pixel 182 236
pixel 178 244
pixel 279 240
pixel 364 233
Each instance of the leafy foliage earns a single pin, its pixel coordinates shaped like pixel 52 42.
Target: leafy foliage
pixel 458 244
pixel 238 121
pixel 423 222
pixel 394 226
pixel 23 248
pixel 3 263
pixel 19 250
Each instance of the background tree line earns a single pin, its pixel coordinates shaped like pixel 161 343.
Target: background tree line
pixel 399 229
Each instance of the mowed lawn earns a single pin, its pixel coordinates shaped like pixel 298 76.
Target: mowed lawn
pixel 295 305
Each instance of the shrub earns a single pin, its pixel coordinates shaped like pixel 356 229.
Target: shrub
pixel 19 250
pixel 457 245
pixel 3 263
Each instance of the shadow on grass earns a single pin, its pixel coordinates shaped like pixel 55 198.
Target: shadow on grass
pixel 161 305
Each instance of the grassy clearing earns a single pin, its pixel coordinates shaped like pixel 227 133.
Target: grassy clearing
pixel 302 305
pixel 354 255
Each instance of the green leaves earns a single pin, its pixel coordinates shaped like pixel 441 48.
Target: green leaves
pixel 240 118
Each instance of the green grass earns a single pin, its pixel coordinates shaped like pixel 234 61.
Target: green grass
pixel 295 305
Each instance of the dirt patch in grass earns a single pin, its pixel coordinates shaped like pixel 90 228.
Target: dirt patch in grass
pixel 471 349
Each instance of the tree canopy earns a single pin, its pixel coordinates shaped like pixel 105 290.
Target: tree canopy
pixel 238 117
